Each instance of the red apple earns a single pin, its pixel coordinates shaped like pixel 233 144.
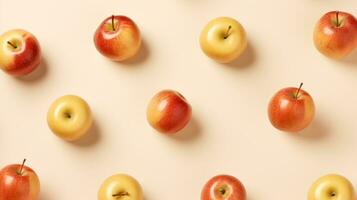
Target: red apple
pixel 335 34
pixel 168 112
pixel 19 182
pixel 20 52
pixel 291 109
pixel 223 187
pixel 118 38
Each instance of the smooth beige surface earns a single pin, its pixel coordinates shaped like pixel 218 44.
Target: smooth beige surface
pixel 230 132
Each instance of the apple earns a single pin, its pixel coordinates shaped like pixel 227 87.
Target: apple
pixel 120 186
pixel 331 187
pixel 335 34
pixel 291 109
pixel 69 117
pixel 20 52
pixel 19 182
pixel 223 39
pixel 223 187
pixel 168 112
pixel 118 38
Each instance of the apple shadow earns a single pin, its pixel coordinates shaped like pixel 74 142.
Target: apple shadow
pixel 190 133
pixel 245 60
pixel 351 59
pixel 44 195
pixel 317 130
pixel 91 138
pixel 38 74
pixel 140 57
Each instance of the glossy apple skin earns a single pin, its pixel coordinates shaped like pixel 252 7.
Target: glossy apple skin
pixel 19 187
pixel 331 187
pixel 217 45
pixel 120 184
pixel 23 59
pixel 120 44
pixel 69 117
pixel 291 114
pixel 168 112
pixel 333 41
pixel 223 187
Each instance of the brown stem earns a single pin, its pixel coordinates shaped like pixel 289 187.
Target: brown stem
pixel 120 194
pixel 228 32
pixel 22 167
pixel 297 93
pixel 113 23
pixel 337 20
pixel 11 44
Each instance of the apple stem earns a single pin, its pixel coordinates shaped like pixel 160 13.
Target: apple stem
pixel 297 93
pixel 22 167
pixel 337 20
pixel 113 23
pixel 120 194
pixel 228 32
pixel 11 44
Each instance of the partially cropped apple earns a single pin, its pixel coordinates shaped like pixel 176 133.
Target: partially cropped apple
pixel 223 39
pixel 331 187
pixel 118 38
pixel 291 109
pixel 223 187
pixel 335 34
pixel 120 186
pixel 20 52
pixel 168 112
pixel 69 117
pixel 19 182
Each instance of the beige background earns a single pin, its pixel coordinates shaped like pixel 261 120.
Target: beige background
pixel 230 132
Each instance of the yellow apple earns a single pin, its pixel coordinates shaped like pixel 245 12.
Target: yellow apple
pixel 69 117
pixel 331 187
pixel 120 186
pixel 223 39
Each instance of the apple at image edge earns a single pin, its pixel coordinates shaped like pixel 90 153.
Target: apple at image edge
pixel 120 186
pixel 223 187
pixel 335 34
pixel 331 187
pixel 223 39
pixel 19 182
pixel 20 52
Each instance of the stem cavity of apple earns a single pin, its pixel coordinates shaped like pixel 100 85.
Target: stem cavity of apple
pixel 12 44
pixel 297 93
pixel 113 27
pixel 68 115
pixel 222 191
pixel 333 194
pixel 121 194
pixel 20 172
pixel 228 32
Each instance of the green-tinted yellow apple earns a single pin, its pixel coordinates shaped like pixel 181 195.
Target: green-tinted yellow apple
pixel 223 39
pixel 331 187
pixel 69 117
